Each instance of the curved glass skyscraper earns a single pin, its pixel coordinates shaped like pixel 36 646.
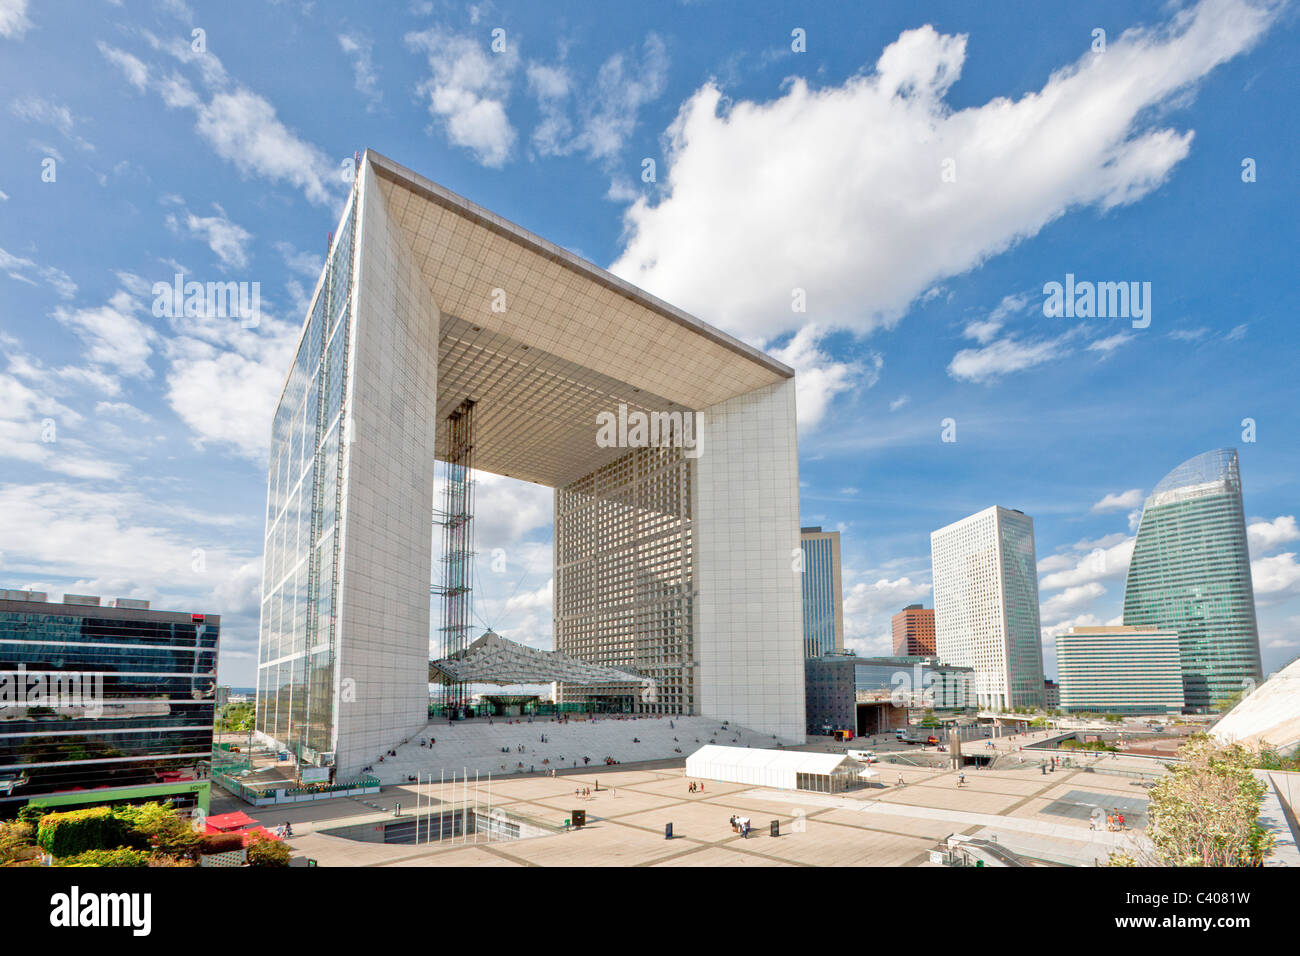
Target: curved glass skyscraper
pixel 1191 573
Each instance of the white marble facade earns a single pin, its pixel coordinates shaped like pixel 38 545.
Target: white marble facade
pixel 381 667
pixel 749 610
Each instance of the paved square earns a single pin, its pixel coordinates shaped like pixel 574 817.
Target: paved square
pixel 1042 816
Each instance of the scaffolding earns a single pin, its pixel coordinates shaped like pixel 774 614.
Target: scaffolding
pixel 457 520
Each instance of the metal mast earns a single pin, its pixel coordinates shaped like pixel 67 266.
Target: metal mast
pixel 457 520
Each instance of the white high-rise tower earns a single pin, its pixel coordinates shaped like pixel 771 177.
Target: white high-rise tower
pixel 986 605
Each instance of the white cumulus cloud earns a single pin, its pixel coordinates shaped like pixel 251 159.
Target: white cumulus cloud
pixel 1267 535
pixel 13 19
pixel 468 88
pixel 1121 501
pixel 839 190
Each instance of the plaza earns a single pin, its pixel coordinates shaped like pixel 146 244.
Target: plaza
pixel 1042 817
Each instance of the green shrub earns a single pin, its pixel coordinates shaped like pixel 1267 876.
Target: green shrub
pixel 94 828
pixel 264 851
pixel 122 856
pixel 32 813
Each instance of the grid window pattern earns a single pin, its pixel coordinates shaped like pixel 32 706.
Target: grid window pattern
pixel 625 586
pixel 986 605
pixel 913 631
pixel 527 403
pixel 749 615
pixel 1123 670
pixel 823 595
pixel 296 650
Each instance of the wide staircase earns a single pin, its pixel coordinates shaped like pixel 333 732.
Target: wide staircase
pixel 581 742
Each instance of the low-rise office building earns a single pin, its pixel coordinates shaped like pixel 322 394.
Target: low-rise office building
pixel 872 695
pixel 1120 670
pixel 913 630
pixel 1051 694
pixel 111 703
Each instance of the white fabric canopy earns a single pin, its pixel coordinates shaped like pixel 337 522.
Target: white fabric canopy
pixel 494 660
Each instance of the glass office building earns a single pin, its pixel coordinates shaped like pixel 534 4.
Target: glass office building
pixel 823 593
pixel 97 704
pixel 870 695
pixel 1190 573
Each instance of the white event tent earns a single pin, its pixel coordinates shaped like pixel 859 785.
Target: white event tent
pixel 779 769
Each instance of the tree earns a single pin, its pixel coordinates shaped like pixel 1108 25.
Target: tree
pixel 164 828
pixel 1205 812
pixel 236 718
pixel 1225 704
pixel 266 851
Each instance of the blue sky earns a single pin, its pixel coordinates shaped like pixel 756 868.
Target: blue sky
pixel 917 171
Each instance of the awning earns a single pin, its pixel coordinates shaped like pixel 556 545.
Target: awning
pixel 494 660
pixel 257 831
pixel 229 822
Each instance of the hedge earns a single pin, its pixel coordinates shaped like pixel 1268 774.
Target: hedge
pixel 122 856
pixel 93 828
